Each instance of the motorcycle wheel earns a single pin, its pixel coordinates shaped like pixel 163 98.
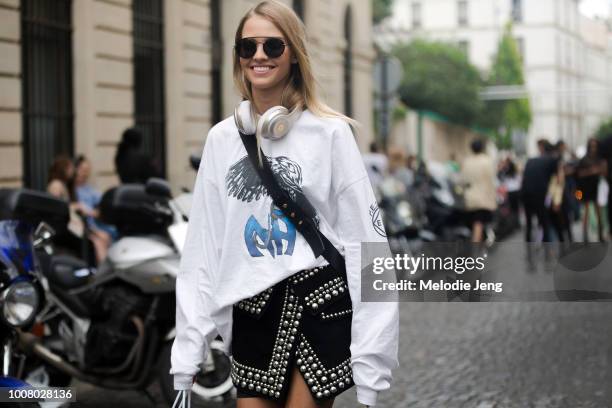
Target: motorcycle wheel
pixel 207 386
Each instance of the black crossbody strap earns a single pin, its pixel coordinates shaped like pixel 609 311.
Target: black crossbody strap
pixel 321 246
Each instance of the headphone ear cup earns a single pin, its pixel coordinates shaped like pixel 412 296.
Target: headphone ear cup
pixel 243 116
pixel 274 124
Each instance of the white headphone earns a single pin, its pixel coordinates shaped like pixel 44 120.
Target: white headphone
pixel 274 124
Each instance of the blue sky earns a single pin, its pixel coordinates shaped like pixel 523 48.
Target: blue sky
pixel 596 7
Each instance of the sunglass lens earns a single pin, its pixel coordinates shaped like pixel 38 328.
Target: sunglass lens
pixel 274 47
pixel 246 48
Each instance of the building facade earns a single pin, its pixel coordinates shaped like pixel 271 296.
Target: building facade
pixel 567 57
pixel 75 73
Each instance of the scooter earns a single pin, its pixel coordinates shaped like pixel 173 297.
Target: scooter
pixel 113 326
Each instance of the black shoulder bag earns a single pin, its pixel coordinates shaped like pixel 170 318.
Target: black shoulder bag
pixel 304 223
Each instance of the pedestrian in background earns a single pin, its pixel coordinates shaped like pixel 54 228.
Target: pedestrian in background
pixel 398 166
pixel 60 181
pixel 376 165
pixel 605 152
pixel 590 168
pixel 554 197
pixel 478 174
pixel 534 189
pixel 131 163
pixel 568 200
pixel 61 185
pixel 90 197
pixel 510 178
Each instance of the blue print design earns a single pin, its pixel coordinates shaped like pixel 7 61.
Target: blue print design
pixel 243 183
pixel 257 237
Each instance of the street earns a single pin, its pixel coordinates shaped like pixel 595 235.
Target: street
pixel 540 355
pixel 479 355
pixel 163 155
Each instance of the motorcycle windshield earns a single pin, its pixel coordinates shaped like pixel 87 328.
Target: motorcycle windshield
pixel 16 249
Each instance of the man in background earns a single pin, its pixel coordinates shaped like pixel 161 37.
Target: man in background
pixel 534 188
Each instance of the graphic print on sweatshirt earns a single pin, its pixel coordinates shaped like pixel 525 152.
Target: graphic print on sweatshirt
pixel 277 234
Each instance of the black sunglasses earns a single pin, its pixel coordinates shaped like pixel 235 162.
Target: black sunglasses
pixel 272 46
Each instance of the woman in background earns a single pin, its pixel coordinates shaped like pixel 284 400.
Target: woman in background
pixel 590 168
pixel 90 197
pixel 61 184
pixel 131 163
pixel 478 172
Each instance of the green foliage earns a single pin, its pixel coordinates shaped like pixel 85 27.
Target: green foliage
pixel 438 77
pixel 507 116
pixel 381 9
pixel 399 112
pixel 604 130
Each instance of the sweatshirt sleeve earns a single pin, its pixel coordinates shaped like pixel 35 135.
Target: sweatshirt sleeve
pixel 194 327
pixel 375 326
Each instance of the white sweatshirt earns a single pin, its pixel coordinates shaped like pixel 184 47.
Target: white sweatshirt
pixel 222 264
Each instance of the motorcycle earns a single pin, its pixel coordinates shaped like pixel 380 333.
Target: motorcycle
pixel 113 326
pixel 445 213
pixel 21 295
pixel 402 210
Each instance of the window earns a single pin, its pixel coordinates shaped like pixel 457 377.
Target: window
pixel 149 77
pixel 298 7
pixel 217 61
pixel 462 13
pixel 348 62
pixel 517 10
pixel 416 15
pixel 464 46
pixel 46 86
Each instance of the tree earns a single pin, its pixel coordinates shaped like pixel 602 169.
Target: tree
pixel 439 77
pixel 505 117
pixel 604 130
pixel 604 135
pixel 381 9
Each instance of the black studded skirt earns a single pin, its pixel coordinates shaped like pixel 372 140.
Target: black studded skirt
pixel 303 321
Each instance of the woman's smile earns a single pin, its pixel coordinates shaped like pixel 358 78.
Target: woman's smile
pixel 262 70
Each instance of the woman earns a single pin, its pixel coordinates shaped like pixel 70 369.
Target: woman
pixel 131 164
pixel 590 168
pixel 90 197
pixel 398 167
pixel 61 185
pixel 510 178
pixel 246 273
pixel 478 172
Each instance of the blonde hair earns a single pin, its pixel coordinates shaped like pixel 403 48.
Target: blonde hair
pixel 300 91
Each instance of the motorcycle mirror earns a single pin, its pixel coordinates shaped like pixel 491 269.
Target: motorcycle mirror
pixel 158 187
pixel 43 234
